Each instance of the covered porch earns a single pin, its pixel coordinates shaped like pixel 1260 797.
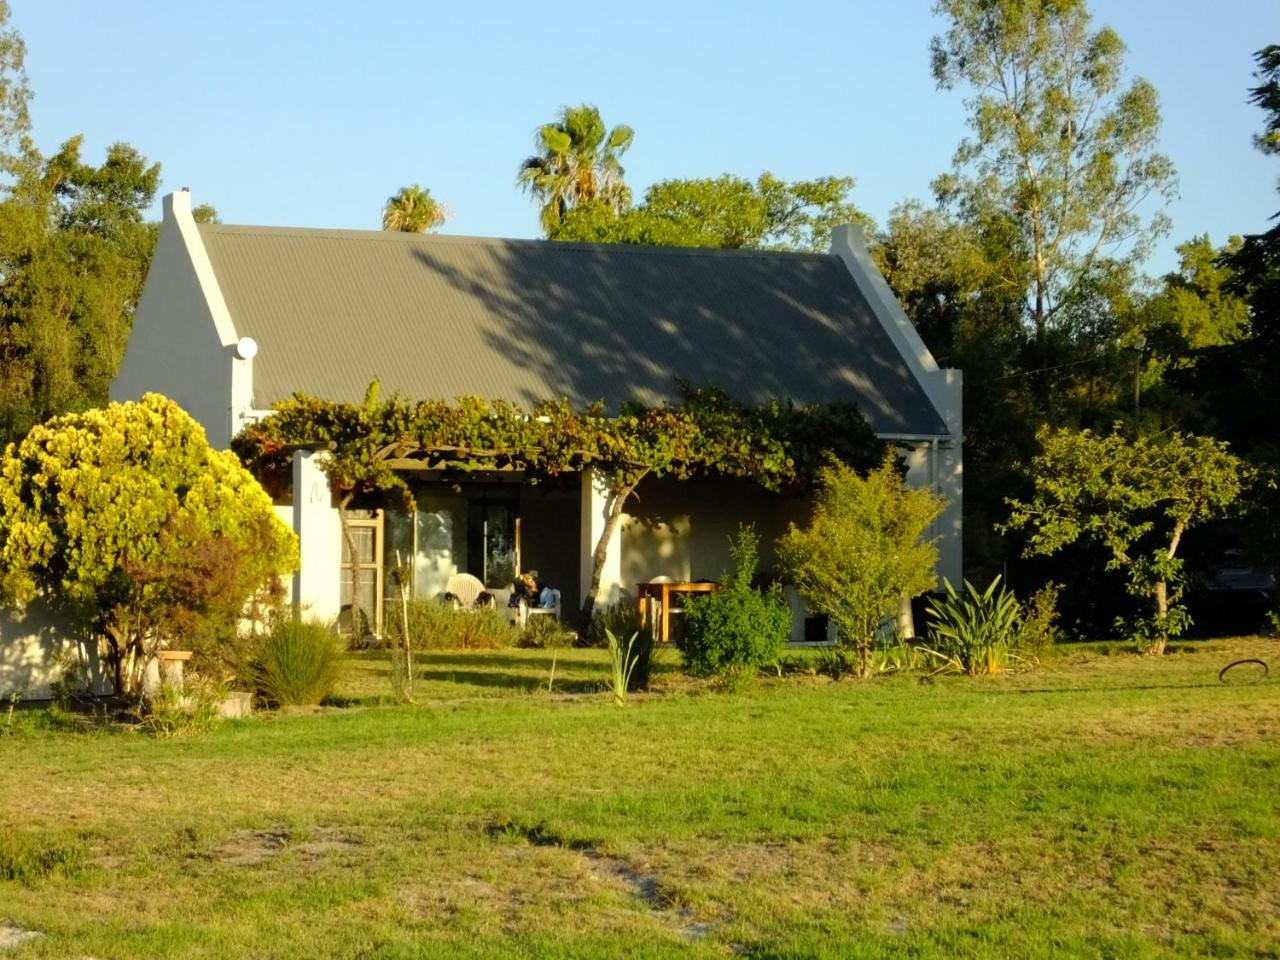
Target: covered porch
pixel 494 524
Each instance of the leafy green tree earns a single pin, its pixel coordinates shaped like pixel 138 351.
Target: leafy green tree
pixel 1195 307
pixel 15 93
pixel 862 551
pixel 1026 274
pixel 962 285
pixel 725 212
pixel 74 252
pixel 1194 312
pixel 578 161
pixel 413 210
pixel 127 521
pixel 1136 498
pixel 1060 147
pixel 1256 263
pixel 205 213
pixel 1266 95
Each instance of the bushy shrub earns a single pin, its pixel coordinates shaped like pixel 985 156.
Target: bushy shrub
pixel 546 633
pixel 980 632
pixel 835 662
pixel 643 649
pixel 1040 629
pixel 125 520
pixel 297 663
pixel 738 629
pixel 623 621
pixel 862 551
pixel 438 626
pixel 620 619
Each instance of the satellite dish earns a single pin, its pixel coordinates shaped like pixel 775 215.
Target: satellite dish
pixel 246 348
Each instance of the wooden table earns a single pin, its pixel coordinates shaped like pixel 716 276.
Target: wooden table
pixel 662 593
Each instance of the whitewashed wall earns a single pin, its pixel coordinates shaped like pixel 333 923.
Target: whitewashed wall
pixel 33 645
pixel 316 585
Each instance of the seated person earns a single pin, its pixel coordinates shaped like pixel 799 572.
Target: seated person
pixel 529 589
pixel 526 588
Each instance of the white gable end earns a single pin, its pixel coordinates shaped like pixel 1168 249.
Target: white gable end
pixel 183 342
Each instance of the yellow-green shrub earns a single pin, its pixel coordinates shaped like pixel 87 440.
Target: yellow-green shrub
pixel 125 519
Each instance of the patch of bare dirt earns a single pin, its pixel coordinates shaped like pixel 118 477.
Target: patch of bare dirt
pixel 246 848
pixel 12 937
pixel 640 880
pixel 327 846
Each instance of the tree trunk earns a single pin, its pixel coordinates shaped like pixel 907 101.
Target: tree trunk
pixel 1042 362
pixel 866 668
pixel 601 552
pixel 1162 596
pixel 116 654
pixel 125 652
pixel 404 620
pixel 1162 613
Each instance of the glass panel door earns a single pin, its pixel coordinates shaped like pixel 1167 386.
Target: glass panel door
pixel 493 541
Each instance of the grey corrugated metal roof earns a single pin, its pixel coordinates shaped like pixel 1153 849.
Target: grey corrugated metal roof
pixel 530 320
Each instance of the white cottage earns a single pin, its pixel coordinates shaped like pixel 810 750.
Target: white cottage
pixel 235 318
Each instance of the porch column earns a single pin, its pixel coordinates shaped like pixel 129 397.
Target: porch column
pixel 316 594
pixel 595 514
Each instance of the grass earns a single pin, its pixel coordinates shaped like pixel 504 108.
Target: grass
pixel 1112 806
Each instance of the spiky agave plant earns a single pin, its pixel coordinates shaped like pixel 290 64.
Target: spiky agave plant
pixel 974 632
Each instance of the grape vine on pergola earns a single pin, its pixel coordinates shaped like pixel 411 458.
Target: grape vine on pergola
pixel 373 446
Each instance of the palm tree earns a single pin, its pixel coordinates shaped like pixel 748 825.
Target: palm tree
pixel 413 210
pixel 577 162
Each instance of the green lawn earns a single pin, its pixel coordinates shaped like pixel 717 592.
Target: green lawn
pixel 1103 806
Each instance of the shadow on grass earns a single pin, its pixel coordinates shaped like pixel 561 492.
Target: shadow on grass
pixel 1116 688
pixel 510 681
pixel 526 664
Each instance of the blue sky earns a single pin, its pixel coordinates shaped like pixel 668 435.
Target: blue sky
pixel 310 114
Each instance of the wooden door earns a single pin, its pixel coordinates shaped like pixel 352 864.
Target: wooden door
pixel 361 591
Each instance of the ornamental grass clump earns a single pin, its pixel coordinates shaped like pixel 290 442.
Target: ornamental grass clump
pixel 186 710
pixel 623 619
pixel 298 664
pixel 733 632
pixel 622 663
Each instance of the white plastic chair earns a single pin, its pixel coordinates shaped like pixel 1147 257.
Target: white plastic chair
pixel 524 611
pixel 466 592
